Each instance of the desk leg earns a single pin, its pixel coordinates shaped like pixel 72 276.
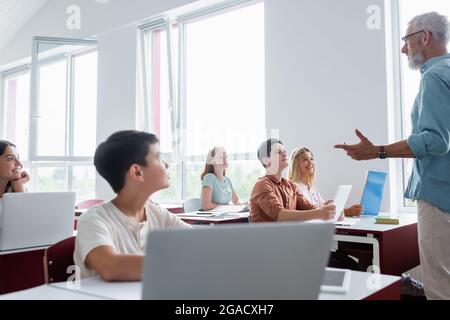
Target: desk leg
pixel 369 240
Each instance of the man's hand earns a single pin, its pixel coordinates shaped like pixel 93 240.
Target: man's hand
pixel 354 211
pixel 364 150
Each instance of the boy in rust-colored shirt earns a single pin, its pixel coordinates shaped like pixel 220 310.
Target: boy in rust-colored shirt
pixel 275 198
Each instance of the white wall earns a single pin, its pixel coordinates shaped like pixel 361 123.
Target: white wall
pixel 326 76
pixel 116 89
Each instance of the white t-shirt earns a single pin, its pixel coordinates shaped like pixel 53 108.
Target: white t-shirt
pixel 106 225
pixel 313 195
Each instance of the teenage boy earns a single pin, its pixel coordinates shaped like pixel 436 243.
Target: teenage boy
pixel 275 198
pixel 112 236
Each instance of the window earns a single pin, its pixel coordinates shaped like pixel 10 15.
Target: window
pixel 16 98
pixel 56 136
pixel 410 79
pixel 214 78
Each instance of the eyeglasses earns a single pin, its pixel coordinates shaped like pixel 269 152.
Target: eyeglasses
pixel 412 34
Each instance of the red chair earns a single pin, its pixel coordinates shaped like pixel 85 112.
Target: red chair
pixel 57 259
pixel 88 203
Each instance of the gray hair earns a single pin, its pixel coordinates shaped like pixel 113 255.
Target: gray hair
pixel 437 24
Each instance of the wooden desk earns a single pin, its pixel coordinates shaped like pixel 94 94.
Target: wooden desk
pixel 394 248
pixel 361 287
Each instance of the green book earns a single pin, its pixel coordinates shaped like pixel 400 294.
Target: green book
pixel 386 220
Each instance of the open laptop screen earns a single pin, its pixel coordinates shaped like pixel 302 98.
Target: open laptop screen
pixel 373 192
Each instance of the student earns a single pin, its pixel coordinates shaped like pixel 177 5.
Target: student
pixel 111 236
pixel 302 171
pixel 275 198
pixel 217 188
pixel 12 178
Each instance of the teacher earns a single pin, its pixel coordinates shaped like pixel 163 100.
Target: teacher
pixel 425 46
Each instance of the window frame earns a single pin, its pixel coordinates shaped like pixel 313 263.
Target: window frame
pixel 35 162
pixel 396 105
pixel 4 76
pixel 69 107
pixel 177 88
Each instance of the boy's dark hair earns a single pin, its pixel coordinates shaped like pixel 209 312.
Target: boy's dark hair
pixel 4 145
pixel 266 148
pixel 119 152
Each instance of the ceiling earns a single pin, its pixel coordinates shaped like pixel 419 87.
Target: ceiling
pixel 14 14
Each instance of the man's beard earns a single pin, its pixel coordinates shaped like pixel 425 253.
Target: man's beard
pixel 416 61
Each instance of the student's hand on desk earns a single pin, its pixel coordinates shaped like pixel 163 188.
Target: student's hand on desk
pixel 327 212
pixel 354 211
pixel 364 150
pixel 17 185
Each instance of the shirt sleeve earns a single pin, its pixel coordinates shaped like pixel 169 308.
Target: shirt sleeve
pixel 265 198
pixel 172 221
pixel 208 181
pixel 433 118
pixel 92 233
pixel 302 203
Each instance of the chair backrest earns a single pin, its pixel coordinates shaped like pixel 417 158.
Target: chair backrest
pixel 57 259
pixel 88 203
pixel 191 205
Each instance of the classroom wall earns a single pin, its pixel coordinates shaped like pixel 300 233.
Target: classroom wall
pixel 325 74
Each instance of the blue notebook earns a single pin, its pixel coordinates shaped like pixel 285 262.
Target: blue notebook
pixel 373 192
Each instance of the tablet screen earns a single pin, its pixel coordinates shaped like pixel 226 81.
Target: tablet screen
pixel 336 280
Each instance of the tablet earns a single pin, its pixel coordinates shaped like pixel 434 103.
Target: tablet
pixel 340 199
pixel 336 280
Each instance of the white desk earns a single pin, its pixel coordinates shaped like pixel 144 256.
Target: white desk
pixel 367 223
pixel 5 252
pixel 395 247
pixel 48 292
pixel 194 217
pixel 362 286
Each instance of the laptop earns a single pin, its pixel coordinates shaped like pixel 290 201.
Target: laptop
pixel 373 192
pixel 30 220
pixel 237 262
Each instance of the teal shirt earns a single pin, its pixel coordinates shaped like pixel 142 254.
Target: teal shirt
pixel 222 191
pixel 430 138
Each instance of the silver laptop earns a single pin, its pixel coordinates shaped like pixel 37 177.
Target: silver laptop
pixel 35 219
pixel 244 262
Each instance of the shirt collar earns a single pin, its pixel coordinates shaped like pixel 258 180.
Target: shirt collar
pixel 128 220
pixel 430 62
pixel 272 178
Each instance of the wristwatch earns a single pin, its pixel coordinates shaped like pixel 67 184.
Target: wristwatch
pixel 381 152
